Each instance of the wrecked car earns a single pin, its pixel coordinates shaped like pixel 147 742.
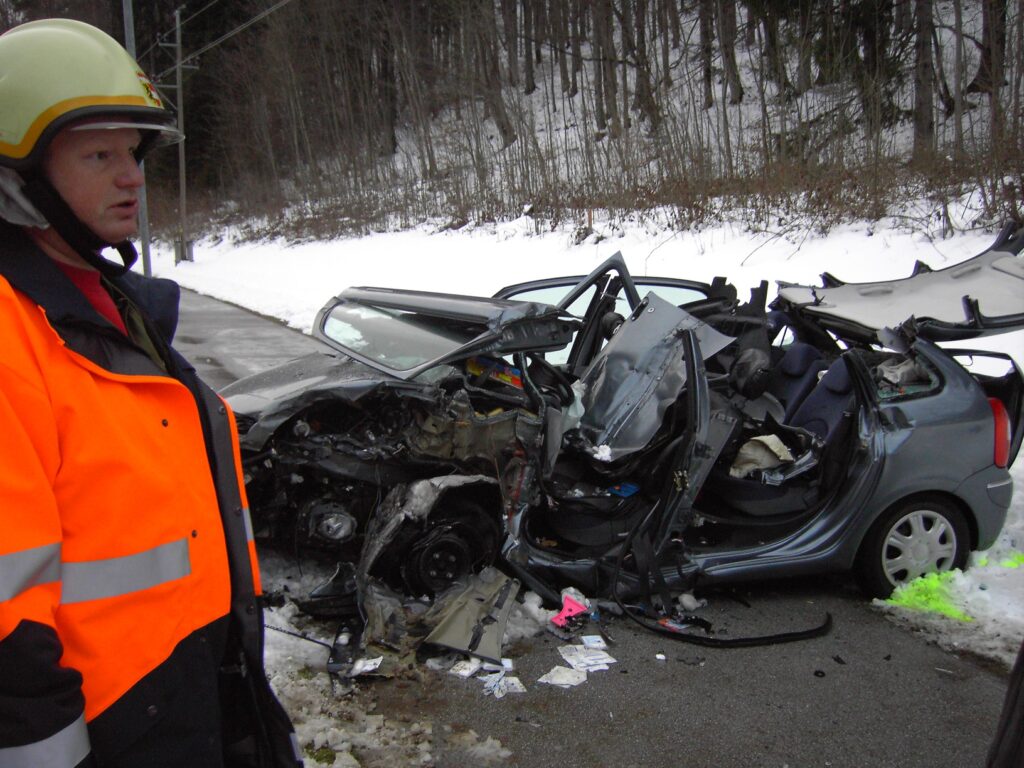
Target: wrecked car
pixel 642 436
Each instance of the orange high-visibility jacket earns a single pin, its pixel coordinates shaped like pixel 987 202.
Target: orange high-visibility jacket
pixel 128 582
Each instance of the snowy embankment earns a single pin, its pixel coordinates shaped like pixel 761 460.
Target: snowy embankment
pixel 292 282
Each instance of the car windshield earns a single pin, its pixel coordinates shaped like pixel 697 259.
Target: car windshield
pixel 394 338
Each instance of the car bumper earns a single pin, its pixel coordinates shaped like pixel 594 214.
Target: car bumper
pixel 988 493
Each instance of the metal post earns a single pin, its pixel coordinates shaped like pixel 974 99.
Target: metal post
pixel 183 252
pixel 129 44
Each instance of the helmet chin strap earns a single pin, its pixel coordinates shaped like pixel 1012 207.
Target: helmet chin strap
pixel 86 243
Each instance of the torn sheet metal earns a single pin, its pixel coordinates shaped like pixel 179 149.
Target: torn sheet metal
pixel 460 433
pixel 639 374
pixel 474 621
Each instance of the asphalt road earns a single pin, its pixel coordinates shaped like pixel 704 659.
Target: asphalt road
pixel 869 694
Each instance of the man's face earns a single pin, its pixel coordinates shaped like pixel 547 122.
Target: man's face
pixel 96 173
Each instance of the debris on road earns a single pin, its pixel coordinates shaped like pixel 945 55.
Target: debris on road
pixel 564 677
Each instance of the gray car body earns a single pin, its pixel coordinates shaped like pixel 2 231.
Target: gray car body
pixel 937 443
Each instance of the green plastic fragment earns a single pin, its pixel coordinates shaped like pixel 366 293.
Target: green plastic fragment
pixel 982 561
pixel 929 594
pixel 1015 560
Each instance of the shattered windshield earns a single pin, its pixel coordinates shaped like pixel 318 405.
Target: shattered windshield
pixel 397 339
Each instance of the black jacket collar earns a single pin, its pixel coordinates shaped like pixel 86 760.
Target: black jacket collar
pixel 33 273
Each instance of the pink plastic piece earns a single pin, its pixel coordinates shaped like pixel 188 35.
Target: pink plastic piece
pixel 570 608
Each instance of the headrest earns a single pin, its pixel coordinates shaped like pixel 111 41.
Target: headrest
pixel 798 359
pixel 837 378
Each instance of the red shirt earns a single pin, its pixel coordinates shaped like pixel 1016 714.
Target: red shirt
pixel 88 282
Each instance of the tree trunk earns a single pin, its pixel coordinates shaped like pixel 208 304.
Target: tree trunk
pixel 576 34
pixel 990 74
pixel 597 37
pixel 772 52
pixel 608 57
pixel 666 71
pixel 675 22
pixel 559 42
pixel 958 79
pixel 389 92
pixel 540 25
pixel 803 70
pixel 492 80
pixel 529 84
pixel 705 15
pixel 946 98
pixel 726 13
pixel 904 17
pixel 634 43
pixel 924 114
pixel 511 24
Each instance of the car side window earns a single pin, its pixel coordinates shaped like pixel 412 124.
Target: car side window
pixel 552 295
pixel 674 294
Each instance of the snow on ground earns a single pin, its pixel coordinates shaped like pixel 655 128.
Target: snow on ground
pixel 292 282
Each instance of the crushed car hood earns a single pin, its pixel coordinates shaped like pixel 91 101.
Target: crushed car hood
pixel 981 296
pixel 266 400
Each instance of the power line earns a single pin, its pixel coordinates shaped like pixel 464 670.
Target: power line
pixel 163 35
pixel 201 10
pixel 241 27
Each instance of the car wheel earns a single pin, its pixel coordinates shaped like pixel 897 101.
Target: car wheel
pixel 915 537
pixel 451 545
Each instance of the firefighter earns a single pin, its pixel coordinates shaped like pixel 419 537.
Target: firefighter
pixel 130 621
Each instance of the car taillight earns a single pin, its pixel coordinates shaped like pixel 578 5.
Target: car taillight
pixel 1001 418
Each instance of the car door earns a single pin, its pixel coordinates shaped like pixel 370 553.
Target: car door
pixel 602 299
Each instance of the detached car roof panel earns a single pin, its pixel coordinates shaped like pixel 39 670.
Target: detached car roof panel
pixel 981 296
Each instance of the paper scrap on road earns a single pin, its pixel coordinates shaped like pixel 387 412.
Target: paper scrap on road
pixel 466 668
pixel 580 657
pixel 362 666
pixel 564 677
pixel 500 685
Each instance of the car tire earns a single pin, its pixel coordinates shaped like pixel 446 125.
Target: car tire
pixel 917 536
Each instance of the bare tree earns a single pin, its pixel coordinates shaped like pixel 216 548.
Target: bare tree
pixel 509 18
pixel 726 22
pixel 705 17
pixel 993 42
pixel 924 113
pixel 958 79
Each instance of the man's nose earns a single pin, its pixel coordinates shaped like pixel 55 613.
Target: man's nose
pixel 131 174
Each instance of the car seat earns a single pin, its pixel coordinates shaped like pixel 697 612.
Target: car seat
pixel 821 412
pixel 795 376
pixel 786 490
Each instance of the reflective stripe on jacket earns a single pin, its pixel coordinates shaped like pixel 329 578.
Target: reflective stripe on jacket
pixel 127 545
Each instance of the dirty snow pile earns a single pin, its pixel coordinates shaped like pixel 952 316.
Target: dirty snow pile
pixel 335 719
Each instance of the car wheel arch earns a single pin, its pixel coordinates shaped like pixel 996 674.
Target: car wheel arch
pixel 869 582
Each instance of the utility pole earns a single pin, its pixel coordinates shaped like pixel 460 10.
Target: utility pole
pixel 184 251
pixel 129 42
